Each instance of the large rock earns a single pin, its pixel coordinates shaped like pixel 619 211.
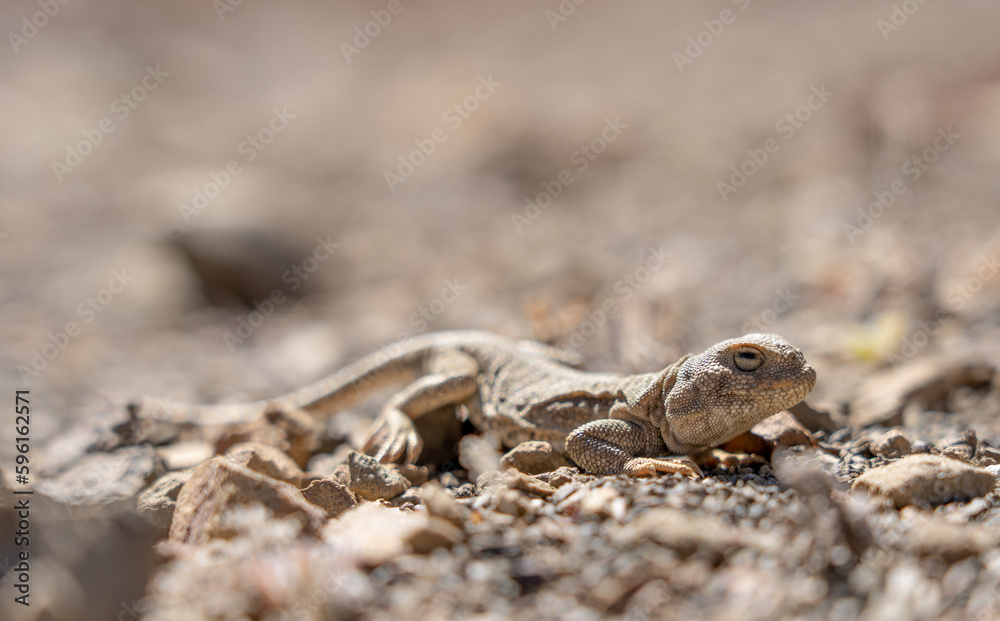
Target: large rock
pixel 220 485
pixel 816 420
pixel 266 460
pixel 533 457
pixel 782 429
pixel 157 502
pixel 332 496
pixel 891 444
pixel 882 398
pixel 436 533
pixel 103 478
pixel 926 480
pixel 373 481
pixel 963 447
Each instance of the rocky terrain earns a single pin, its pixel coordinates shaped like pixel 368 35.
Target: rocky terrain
pixel 830 523
pixel 225 201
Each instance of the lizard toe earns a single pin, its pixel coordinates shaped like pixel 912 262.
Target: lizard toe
pixel 651 467
pixel 392 451
pixel 414 445
pixel 393 436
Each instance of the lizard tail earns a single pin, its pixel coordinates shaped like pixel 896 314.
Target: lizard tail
pixel 396 363
pixel 565 356
pixel 400 362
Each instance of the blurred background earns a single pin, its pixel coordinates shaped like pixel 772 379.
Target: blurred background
pixel 220 201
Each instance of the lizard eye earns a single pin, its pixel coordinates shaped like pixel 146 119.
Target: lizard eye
pixel 748 359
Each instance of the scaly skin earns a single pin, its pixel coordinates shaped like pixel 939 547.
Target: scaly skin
pixel 698 403
pixel 522 390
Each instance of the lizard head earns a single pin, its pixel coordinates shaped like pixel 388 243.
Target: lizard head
pixel 731 387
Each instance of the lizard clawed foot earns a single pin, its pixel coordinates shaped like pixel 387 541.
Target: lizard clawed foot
pixel 654 466
pixel 392 435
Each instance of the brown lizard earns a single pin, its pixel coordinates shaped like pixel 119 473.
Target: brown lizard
pixel 522 390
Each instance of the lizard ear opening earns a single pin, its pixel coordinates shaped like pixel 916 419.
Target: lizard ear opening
pixel 670 377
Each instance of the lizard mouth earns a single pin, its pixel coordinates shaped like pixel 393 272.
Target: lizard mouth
pixel 803 383
pixel 807 373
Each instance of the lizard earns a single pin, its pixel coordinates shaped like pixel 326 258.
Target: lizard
pixel 521 390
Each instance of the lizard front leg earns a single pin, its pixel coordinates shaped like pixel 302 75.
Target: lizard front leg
pixel 612 446
pixel 452 381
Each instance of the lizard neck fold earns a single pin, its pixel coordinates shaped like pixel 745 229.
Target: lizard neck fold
pixel 668 381
pixel 644 402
